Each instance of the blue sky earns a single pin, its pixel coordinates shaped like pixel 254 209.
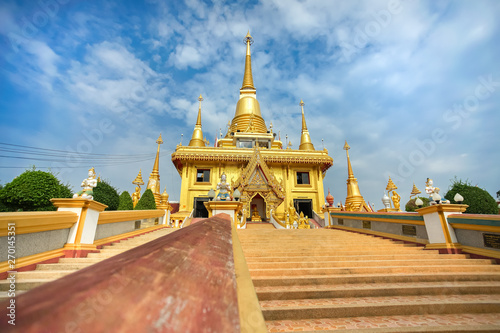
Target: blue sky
pixel 413 86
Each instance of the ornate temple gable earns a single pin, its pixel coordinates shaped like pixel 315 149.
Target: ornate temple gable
pixel 257 176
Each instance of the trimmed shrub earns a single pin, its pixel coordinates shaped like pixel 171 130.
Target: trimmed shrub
pixel 32 191
pixel 478 199
pixel 106 194
pixel 126 202
pixel 147 201
pixel 411 206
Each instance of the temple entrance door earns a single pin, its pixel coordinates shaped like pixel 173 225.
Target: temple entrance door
pixel 303 205
pixel 199 208
pixel 259 202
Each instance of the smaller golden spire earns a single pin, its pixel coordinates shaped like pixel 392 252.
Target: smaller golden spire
pixel 154 177
pixel 305 138
pixel 156 167
pixel 349 167
pixel 197 137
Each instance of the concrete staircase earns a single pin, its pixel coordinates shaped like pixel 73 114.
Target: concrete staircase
pixel 48 272
pixel 321 279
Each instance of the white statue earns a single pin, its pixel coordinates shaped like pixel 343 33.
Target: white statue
pixel 224 189
pixel 430 190
pixel 88 185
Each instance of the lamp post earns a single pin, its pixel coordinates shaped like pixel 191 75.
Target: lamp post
pixel 458 198
pixel 436 198
pixel 236 195
pixel 211 194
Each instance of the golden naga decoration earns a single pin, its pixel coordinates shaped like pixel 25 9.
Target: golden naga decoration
pixel 88 185
pixel 303 222
pixel 414 191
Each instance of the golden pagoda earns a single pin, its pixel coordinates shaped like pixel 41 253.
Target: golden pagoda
pixel 267 176
pixel 154 177
pixel 354 200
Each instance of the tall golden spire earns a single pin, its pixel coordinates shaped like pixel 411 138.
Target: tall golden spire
pixel 247 77
pixel 197 138
pixel 247 117
pixel 154 177
pixel 349 167
pixel 305 138
pixel 354 200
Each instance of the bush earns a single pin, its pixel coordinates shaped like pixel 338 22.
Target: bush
pixel 106 194
pixel 479 200
pixel 32 191
pixel 411 206
pixel 126 202
pixel 147 201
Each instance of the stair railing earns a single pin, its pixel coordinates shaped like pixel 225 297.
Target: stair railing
pixel 187 218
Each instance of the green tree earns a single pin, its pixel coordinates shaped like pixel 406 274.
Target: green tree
pixel 106 194
pixel 478 199
pixel 411 206
pixel 147 201
pixel 32 191
pixel 126 202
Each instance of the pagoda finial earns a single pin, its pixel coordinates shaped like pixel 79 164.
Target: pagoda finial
pixel 247 77
pixel 305 138
pixel 197 138
pixel 156 167
pixel 349 167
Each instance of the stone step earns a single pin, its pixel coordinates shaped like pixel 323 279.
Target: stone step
pixel 331 257
pixel 374 270
pixel 43 275
pixel 276 281
pixel 373 306
pixel 4 295
pixel 62 266
pixel 367 263
pixel 25 284
pixel 461 322
pixel 79 260
pixel 372 251
pixel 378 289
